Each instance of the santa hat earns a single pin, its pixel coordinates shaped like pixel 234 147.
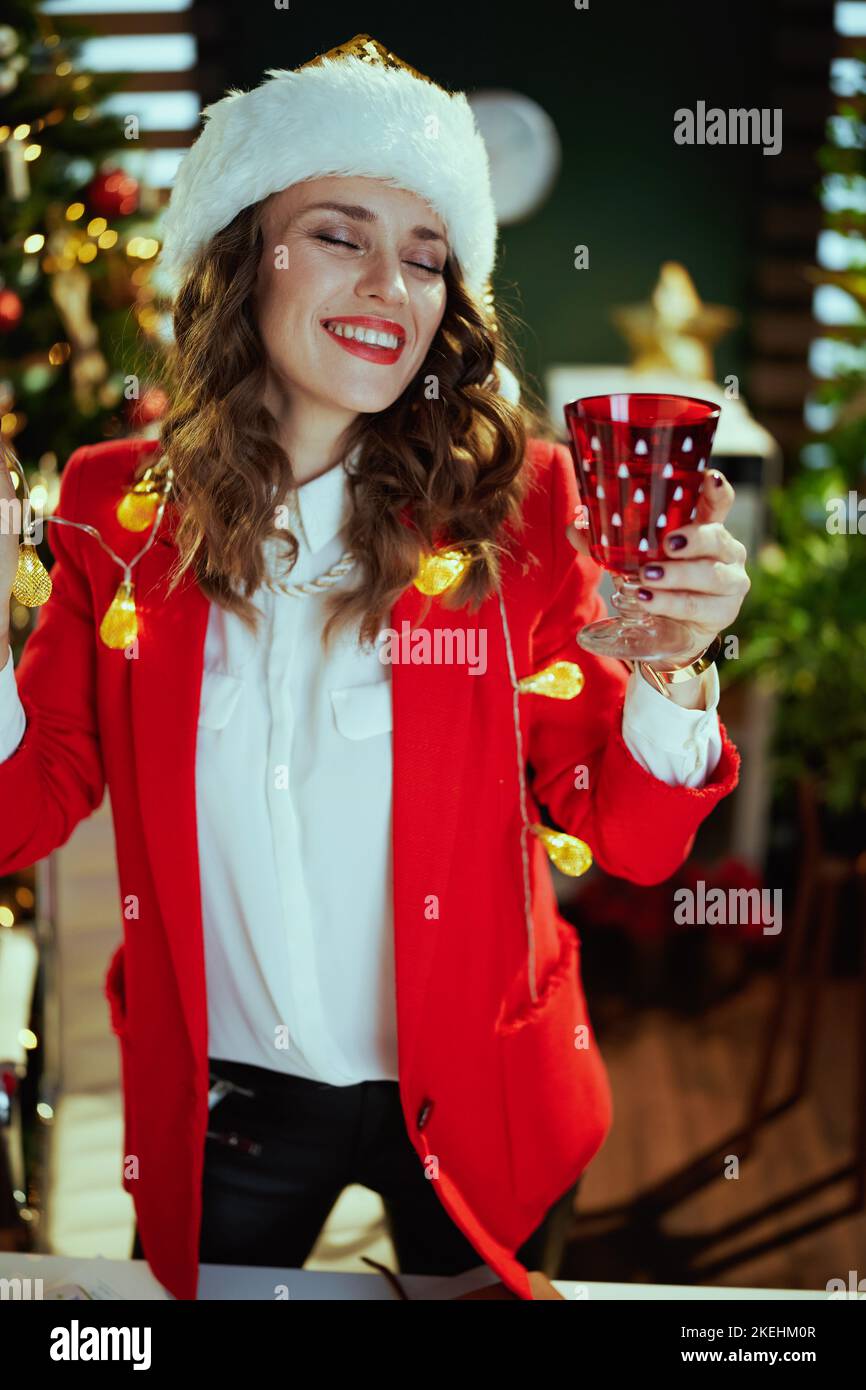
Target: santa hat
pixel 356 110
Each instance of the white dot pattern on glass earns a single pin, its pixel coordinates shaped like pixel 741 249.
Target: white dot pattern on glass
pixel 687 444
pixel 622 471
pixel 662 520
pixel 639 495
pixel 693 513
pixel 599 491
pixel 668 470
pixel 602 539
pixel 641 447
pixel 595 442
pixel 678 492
pixel 643 544
pixel 616 519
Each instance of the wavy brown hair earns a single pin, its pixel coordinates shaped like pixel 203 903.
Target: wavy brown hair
pixel 453 467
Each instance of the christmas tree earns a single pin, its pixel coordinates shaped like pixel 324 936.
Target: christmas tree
pixel 80 330
pixel 80 339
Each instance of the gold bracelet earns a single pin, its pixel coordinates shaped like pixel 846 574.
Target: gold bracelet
pixel 662 679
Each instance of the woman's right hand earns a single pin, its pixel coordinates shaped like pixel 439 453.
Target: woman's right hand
pixel 8 555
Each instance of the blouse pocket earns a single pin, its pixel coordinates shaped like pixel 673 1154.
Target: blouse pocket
pixel 219 696
pixel 362 711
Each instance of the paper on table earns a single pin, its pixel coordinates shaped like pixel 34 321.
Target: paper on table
pixel 97 1278
pixel 82 1281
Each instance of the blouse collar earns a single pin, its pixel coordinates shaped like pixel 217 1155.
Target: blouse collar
pixel 323 504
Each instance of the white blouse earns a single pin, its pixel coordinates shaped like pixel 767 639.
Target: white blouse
pixel 293 787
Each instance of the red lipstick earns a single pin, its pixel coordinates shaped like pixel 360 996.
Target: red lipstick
pixel 370 351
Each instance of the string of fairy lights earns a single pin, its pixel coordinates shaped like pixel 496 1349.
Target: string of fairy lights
pixel 142 508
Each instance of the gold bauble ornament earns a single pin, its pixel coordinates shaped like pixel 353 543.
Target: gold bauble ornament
pixel 440 571
pixel 562 681
pixel 570 855
pixel 32 585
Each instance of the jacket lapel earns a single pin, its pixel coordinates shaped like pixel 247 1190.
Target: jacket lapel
pixel 166 687
pixel 429 748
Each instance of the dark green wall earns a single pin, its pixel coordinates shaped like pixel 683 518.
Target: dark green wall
pixel 611 78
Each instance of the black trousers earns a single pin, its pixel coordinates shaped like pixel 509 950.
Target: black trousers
pixel 277 1159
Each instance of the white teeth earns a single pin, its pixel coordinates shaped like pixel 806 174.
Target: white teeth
pixel 363 335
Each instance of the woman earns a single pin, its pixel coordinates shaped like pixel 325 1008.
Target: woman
pixel 342 955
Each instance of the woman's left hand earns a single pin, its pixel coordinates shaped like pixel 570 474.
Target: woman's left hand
pixel 703 580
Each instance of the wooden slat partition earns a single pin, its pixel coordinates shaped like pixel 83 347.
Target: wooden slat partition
pixel 803 43
pixel 195 20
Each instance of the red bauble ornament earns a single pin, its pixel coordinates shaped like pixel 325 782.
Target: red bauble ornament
pixel 11 310
pixel 113 193
pixel 151 405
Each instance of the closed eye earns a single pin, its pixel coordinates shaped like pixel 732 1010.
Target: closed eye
pixel 339 241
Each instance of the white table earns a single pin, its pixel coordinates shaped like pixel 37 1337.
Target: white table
pixel 132 1279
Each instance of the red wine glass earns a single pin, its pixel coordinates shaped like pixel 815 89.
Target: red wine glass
pixel 640 461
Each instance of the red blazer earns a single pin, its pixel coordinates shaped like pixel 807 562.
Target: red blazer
pixel 491 1082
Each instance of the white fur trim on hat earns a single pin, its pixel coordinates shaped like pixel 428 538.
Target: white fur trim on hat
pixel 343 116
pixel 509 386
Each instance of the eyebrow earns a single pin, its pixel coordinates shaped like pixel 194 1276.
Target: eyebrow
pixel 362 214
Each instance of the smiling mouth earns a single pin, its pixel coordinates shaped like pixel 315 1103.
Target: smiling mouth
pixel 373 344
pixel 360 333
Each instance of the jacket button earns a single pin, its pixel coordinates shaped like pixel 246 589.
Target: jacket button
pixel 424 1113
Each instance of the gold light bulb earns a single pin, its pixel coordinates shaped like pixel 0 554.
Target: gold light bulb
pixel 32 585
pixel 137 508
pixel 562 681
pixel 570 855
pixel 441 570
pixel 119 627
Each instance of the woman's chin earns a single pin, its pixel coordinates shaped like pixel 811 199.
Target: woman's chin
pixel 364 400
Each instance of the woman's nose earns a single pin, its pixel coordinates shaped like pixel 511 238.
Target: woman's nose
pixel 384 278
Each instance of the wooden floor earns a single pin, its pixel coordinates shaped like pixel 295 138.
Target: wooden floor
pixel 680 1089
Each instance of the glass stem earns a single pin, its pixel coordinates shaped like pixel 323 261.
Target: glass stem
pixel 625 598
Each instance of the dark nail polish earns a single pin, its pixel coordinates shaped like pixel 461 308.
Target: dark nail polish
pixel 644 594
pixel 677 542
pixel 718 479
pixel 653 571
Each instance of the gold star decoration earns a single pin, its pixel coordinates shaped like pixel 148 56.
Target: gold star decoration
pixel 674 331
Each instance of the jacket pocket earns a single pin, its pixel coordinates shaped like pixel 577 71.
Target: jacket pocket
pixel 219 696
pixel 557 1094
pixel 115 991
pixel 362 711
